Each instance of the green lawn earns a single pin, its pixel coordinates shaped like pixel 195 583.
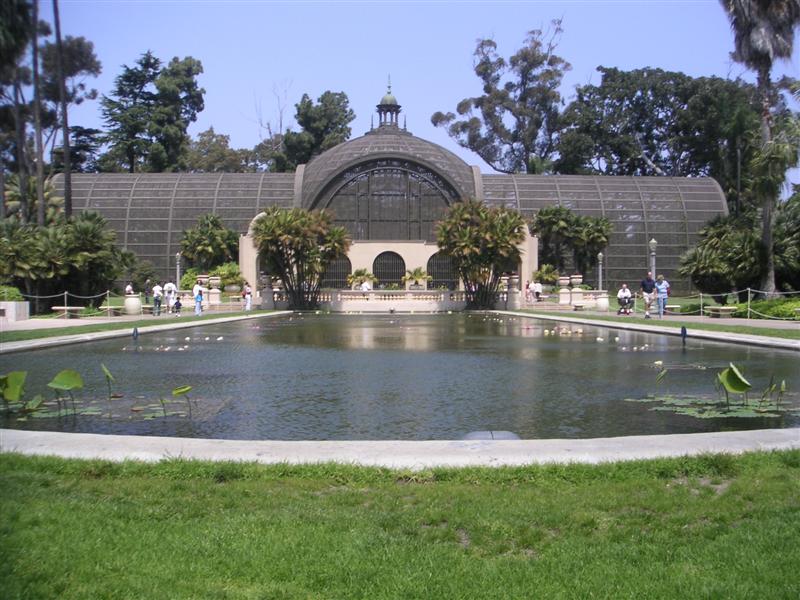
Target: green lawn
pixel 708 527
pixel 16 336
pixel 677 322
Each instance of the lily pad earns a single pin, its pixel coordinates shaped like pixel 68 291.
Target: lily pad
pixel 66 380
pixel 181 390
pixel 733 380
pixel 13 385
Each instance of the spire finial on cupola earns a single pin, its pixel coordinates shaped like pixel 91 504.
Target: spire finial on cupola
pixel 388 109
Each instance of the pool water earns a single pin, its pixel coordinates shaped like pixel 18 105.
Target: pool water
pixel 415 377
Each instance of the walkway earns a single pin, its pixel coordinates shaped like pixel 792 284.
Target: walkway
pixel 397 454
pixel 653 326
pixel 159 324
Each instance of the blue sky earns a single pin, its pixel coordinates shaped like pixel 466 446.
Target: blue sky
pixel 251 49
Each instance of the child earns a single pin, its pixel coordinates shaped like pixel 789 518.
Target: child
pixel 176 308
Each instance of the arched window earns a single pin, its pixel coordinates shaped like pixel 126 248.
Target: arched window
pixel 389 268
pixel 440 268
pixel 335 276
pixel 388 200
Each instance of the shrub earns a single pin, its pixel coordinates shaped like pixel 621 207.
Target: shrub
pixel 189 278
pixel 546 274
pixel 8 293
pixel 781 308
pixel 229 273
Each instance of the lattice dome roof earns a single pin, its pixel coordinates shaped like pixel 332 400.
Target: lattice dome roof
pixel 385 142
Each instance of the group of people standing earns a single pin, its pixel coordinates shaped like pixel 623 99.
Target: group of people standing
pixel 166 295
pixel 651 289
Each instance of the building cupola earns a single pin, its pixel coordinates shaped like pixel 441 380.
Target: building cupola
pixel 388 109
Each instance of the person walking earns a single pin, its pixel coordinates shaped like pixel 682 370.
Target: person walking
pixel 248 296
pixel 170 294
pixel 148 288
pixel 129 289
pixel 158 294
pixel 537 291
pixel 197 293
pixel 662 289
pixel 648 287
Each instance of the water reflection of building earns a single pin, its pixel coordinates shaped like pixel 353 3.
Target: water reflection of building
pixel 389 188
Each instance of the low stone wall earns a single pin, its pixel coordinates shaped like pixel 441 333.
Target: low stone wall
pixel 378 301
pixel 14 311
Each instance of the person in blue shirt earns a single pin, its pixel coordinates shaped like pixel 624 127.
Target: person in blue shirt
pixel 662 292
pixel 648 287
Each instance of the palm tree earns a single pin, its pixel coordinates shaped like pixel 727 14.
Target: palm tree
pixel 416 275
pixel 23 211
pixel 359 276
pixel 554 227
pixel 763 32
pixel 209 243
pixel 480 240
pixel 589 236
pixel 298 245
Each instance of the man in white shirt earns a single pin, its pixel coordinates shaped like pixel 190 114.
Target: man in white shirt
pixel 625 300
pixel 170 290
pixel 158 294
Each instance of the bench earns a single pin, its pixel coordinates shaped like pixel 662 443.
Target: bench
pixel 715 312
pixel 68 311
pixel 673 308
pixel 578 306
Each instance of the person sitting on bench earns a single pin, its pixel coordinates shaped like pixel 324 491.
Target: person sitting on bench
pixel 625 300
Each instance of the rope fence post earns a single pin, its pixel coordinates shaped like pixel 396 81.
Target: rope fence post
pixel 702 314
pixel 108 302
pixel 748 303
pixel 66 303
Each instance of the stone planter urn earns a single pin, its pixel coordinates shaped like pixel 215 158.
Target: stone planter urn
pixel 133 304
pixel 232 288
pixel 215 282
pixel 563 282
pixel 513 282
pixel 576 279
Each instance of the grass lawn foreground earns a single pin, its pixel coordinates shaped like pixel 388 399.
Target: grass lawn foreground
pixel 706 527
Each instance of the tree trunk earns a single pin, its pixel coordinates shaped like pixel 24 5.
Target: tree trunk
pixel 62 97
pixel 768 203
pixel 2 191
pixel 22 165
pixel 37 120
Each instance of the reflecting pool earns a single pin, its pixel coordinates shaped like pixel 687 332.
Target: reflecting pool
pixel 416 377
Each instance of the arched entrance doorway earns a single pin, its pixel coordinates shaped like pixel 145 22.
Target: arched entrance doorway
pixel 389 268
pixel 335 276
pixel 440 268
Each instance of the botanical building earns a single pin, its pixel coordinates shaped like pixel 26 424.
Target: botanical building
pixel 389 188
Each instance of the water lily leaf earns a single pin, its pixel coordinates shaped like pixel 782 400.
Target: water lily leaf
pixel 34 403
pixel 107 373
pixel 67 380
pixel 733 380
pixel 13 385
pixel 181 390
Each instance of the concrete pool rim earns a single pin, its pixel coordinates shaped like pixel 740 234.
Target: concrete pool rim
pixel 397 454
